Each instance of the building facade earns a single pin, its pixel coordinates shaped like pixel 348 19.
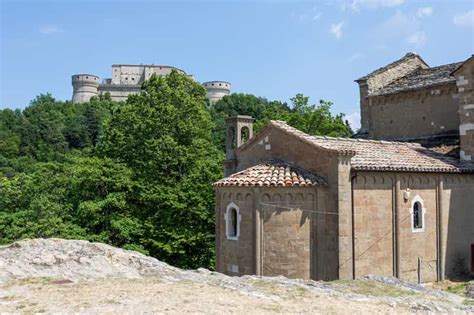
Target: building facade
pixel 408 100
pixel 332 208
pixel 127 79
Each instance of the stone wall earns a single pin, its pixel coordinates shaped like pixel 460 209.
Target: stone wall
pixel 416 114
pixel 288 232
pixel 235 257
pixel 278 232
pixel 384 76
pixel 465 84
pixel 274 143
pixel 447 232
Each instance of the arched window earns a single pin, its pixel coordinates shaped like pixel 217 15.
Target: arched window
pixel 232 139
pixel 417 214
pixel 244 134
pixel 232 221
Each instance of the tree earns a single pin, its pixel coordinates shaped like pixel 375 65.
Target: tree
pixel 317 119
pixel 310 118
pixel 164 135
pixel 244 104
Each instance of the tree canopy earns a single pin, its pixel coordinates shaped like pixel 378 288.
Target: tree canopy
pixel 134 174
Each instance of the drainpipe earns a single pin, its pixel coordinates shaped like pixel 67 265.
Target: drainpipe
pixel 353 177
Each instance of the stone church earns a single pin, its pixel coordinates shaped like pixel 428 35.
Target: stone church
pixel 327 208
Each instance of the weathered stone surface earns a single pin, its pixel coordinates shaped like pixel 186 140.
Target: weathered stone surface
pixel 470 290
pixel 112 281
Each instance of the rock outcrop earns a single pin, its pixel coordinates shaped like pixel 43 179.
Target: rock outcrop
pixel 68 276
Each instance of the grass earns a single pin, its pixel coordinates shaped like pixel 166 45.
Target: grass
pixel 24 281
pixel 459 288
pixel 265 286
pixel 468 302
pixel 373 288
pixel 269 287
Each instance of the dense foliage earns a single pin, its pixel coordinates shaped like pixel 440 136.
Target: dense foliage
pixel 134 174
pixel 310 118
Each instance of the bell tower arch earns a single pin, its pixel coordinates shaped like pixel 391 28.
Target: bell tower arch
pixel 239 130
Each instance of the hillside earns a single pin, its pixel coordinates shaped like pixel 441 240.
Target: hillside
pixel 56 275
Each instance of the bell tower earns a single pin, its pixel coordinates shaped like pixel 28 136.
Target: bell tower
pixel 239 129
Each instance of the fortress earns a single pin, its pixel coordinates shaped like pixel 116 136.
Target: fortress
pixel 127 79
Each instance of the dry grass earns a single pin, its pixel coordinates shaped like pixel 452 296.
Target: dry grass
pixel 372 288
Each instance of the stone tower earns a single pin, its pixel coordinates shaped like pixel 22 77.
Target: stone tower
pixel 381 77
pixel 239 129
pixel 465 83
pixel 84 86
pixel 216 90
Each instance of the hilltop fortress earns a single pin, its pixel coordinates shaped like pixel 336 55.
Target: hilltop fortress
pixel 127 79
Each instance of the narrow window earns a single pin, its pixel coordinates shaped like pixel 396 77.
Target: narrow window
pixel 417 212
pixel 232 139
pixel 244 134
pixel 232 221
pixel 417 216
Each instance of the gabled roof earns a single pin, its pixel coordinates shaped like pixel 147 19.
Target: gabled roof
pixel 273 173
pixel 409 55
pixel 421 78
pixel 375 155
pixel 462 64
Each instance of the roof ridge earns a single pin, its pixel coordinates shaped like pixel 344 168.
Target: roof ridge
pixel 411 144
pixel 392 64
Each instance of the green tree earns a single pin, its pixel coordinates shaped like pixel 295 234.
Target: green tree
pixel 317 119
pixel 164 135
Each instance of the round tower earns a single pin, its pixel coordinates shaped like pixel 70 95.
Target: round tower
pixel 216 90
pixel 84 86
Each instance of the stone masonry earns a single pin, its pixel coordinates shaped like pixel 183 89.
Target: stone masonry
pixel 409 101
pixel 465 84
pixel 127 79
pixel 356 219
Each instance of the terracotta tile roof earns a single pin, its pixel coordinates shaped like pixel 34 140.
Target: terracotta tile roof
pixel 273 173
pixel 420 79
pixel 383 155
pixel 408 56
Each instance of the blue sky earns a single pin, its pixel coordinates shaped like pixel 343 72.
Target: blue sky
pixel 273 49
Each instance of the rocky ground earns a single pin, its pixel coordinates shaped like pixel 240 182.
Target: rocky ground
pixel 60 276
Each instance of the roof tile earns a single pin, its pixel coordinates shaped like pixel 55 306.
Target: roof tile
pixel 383 155
pixel 273 173
pixel 421 78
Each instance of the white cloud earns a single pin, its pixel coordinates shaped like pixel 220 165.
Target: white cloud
pixel 404 27
pixel 336 29
pixel 356 5
pixel 50 29
pixel 417 39
pixel 355 56
pixel 424 12
pixel 354 120
pixel 465 19
pixel 317 16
